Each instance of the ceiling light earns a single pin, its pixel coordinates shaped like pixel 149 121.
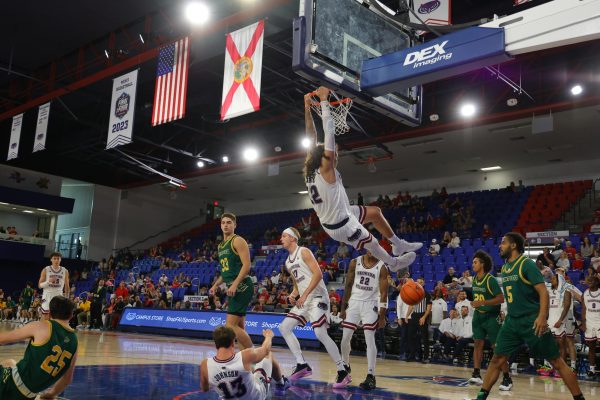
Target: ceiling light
pixel 4 204
pixel 467 110
pixel 200 164
pixel 197 13
pixel 277 149
pixel 41 209
pixel 434 117
pixel 303 192
pixel 512 102
pixel 28 211
pixel 250 154
pixel 225 159
pixel 306 142
pixel 494 168
pixel 576 90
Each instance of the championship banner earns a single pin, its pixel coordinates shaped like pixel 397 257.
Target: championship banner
pixel 41 128
pixel 120 125
pixel 243 67
pixel 15 135
pixel 432 12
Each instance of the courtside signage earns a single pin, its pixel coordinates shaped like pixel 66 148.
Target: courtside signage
pixel 206 321
pixel 446 56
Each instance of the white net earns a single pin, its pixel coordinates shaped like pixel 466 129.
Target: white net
pixel 339 110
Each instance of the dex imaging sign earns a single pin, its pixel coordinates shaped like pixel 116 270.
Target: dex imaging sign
pixel 446 56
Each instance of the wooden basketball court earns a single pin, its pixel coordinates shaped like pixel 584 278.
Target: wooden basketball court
pixel 134 366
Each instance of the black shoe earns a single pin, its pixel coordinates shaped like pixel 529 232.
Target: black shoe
pixel 369 383
pixel 342 379
pixel 300 371
pixel 348 368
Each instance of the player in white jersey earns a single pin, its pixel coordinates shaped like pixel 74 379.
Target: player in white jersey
pixel 339 219
pixel 365 301
pixel 311 303
pixel 559 305
pixel 243 375
pixel 590 319
pixel 54 280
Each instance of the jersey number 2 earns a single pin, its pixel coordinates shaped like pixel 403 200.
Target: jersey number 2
pixel 315 198
pixel 237 385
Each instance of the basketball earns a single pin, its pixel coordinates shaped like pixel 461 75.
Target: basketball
pixel 412 293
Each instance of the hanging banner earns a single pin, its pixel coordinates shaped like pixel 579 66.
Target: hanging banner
pixel 41 128
pixel 122 110
pixel 243 69
pixel 436 12
pixel 15 135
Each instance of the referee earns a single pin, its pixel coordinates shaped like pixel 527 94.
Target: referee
pixel 418 327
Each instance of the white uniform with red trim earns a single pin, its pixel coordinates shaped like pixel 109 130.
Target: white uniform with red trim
pixel 316 307
pixel 56 285
pixel 555 310
pixel 592 314
pixel 231 380
pixel 340 220
pixel 363 306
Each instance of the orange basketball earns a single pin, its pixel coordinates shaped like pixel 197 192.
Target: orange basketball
pixel 412 293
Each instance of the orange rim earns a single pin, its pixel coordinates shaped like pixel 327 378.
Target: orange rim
pixel 343 100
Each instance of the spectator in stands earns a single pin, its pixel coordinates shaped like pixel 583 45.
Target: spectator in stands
pixel 360 201
pixel 259 306
pixel 321 251
pixel 570 250
pixel 282 299
pixel 10 309
pixel 546 258
pixel 275 277
pixel 440 285
pixel 563 261
pixel 167 296
pixel 107 311
pixel 334 297
pixel 557 249
pixel 12 230
pixel 434 248
pixel 335 315
pixel 272 297
pixel 439 311
pixel 387 202
pixel 487 232
pixel 176 283
pixel 83 315
pixel 466 282
pixel 450 277
pixel 512 187
pixel 379 201
pixel 595 263
pixel 587 249
pixel 450 331
pixel 443 192
pixel 446 239
pixel 465 337
pixel 2 230
pixel 117 312
pixel 520 187
pixel 343 251
pixel 462 301
pixel 544 270
pixel 455 242
pixel 578 263
pixel 122 291
pixel 84 274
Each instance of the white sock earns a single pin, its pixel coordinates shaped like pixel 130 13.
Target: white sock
pixel 371 350
pixel 330 346
pixel 380 254
pixel 395 240
pixel 345 346
pixel 287 328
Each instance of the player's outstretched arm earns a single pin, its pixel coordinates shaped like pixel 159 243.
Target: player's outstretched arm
pixel 204 376
pixel 67 288
pixel 328 163
pixel 254 356
pixel 348 287
pixel 43 283
pixel 311 132
pixel 62 383
pixel 24 333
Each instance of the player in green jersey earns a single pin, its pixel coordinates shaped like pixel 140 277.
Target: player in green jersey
pixel 26 300
pixel 49 361
pixel 487 297
pixel 527 320
pixel 234 257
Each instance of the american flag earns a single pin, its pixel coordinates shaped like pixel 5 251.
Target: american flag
pixel 171 82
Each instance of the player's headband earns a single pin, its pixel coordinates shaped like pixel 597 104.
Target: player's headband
pixel 291 232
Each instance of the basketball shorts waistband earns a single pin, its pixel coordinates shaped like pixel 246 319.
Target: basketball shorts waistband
pixel 338 225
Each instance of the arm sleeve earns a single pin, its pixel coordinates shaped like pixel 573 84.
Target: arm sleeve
pixel 328 126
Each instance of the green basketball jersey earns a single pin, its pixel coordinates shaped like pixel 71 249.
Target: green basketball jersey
pixel 27 295
pixel 231 263
pixel 486 289
pixel 44 364
pixel 518 280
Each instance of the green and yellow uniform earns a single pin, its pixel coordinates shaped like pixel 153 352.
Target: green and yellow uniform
pixel 42 365
pixel 485 318
pixel 231 265
pixel 518 280
pixel 27 298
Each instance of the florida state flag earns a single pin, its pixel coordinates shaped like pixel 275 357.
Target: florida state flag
pixel 243 67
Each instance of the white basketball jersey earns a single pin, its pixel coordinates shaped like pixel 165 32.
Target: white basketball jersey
pixel 56 280
pixel 329 200
pixel 302 274
pixel 231 380
pixel 366 281
pixel 592 306
pixel 555 306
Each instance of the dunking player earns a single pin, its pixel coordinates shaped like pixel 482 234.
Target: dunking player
pixel 487 299
pixel 243 375
pixel 49 361
pixel 54 280
pixel 340 220
pixel 526 322
pixel 312 305
pixel 365 299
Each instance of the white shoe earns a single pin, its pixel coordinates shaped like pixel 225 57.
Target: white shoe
pixel 404 261
pixel 405 247
pixel 476 381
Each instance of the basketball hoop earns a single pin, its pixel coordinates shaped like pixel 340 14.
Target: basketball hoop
pixel 339 110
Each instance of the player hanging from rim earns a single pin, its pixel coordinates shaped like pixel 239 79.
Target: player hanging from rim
pixel 590 320
pixel 54 281
pixel 49 361
pixel 243 375
pixel 487 300
pixel 234 257
pixel 365 299
pixel 311 305
pixel 526 322
pixel 339 219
